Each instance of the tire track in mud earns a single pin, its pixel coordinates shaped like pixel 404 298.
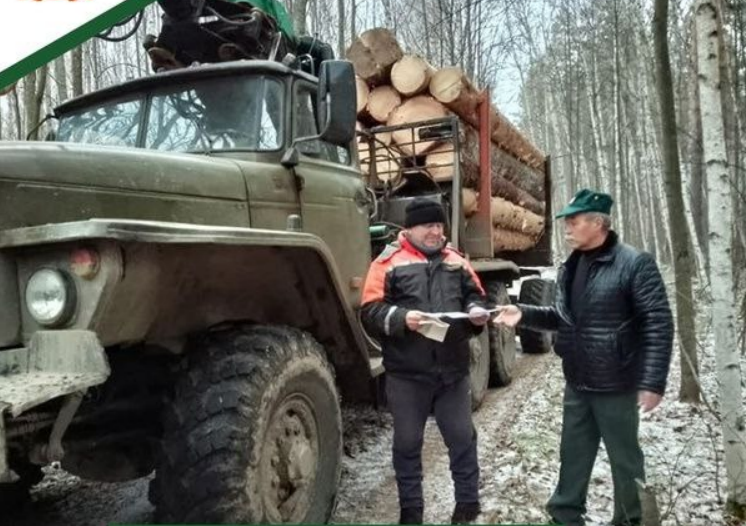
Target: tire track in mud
pixel 368 490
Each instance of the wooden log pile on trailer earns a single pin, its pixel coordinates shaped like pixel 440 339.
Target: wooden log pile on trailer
pixel 395 88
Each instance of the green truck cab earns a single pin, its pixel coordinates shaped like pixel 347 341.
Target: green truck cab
pixel 181 267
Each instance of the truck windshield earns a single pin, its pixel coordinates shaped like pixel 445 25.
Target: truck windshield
pixel 243 113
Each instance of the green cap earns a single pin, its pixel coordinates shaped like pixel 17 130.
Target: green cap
pixel 587 201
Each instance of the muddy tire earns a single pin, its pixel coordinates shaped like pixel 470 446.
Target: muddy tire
pixel 536 292
pixel 253 434
pixel 502 339
pixel 479 368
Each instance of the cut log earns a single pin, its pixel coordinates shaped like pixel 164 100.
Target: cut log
pixel 385 165
pixel 469 201
pixel 506 215
pixel 416 109
pixel 451 87
pixel 411 75
pixel 381 102
pixel 507 190
pixel 509 241
pixel 362 91
pixel 380 141
pixel 383 138
pixel 502 165
pixel 373 54
pixel 509 168
pixel 440 162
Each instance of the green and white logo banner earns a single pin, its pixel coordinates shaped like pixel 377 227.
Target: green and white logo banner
pixel 34 32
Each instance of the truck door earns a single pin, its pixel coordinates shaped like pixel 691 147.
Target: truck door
pixel 332 195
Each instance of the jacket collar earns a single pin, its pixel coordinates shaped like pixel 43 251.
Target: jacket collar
pixel 605 254
pixel 407 245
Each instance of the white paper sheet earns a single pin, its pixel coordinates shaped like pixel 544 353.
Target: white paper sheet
pixel 455 315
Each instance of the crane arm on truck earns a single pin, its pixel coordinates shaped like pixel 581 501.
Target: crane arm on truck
pixel 207 31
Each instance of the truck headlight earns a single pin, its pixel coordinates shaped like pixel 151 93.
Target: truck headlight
pixel 50 297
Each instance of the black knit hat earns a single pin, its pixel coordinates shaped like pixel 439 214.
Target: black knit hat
pixel 422 211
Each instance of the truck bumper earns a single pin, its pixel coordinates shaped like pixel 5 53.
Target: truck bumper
pixel 55 363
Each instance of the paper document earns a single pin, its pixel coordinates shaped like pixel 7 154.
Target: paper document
pixel 433 329
pixel 456 315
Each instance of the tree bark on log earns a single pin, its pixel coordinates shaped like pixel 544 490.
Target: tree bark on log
pixel 451 87
pixel 509 191
pixel 411 75
pixel 506 215
pixel 420 108
pixel 508 241
pixel 373 54
pixel 510 169
pixel 501 179
pixel 381 102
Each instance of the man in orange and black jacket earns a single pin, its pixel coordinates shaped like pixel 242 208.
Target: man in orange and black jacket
pixel 417 275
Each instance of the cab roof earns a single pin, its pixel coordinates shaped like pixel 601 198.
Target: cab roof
pixel 180 76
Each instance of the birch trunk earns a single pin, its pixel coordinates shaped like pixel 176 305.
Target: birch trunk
pixel 341 27
pixel 16 105
pixel 697 183
pixel 60 78
pixel 599 147
pixel 721 264
pixel 76 58
pixel 34 85
pixel 298 12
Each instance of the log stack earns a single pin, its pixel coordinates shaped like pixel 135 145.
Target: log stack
pixel 395 88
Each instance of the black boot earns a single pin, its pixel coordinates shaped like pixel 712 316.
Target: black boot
pixel 465 512
pixel 411 515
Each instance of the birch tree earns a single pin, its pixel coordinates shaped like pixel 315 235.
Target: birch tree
pixel 721 264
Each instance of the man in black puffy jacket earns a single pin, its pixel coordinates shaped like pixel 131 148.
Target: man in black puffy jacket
pixel 614 335
pixel 421 274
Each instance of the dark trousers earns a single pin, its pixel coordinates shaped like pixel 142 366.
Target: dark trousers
pixel 588 418
pixel 410 402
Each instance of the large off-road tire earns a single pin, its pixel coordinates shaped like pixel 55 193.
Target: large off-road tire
pixel 254 432
pixel 502 339
pixel 479 368
pixel 17 493
pixel 536 291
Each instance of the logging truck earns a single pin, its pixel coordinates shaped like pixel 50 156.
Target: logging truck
pixel 181 265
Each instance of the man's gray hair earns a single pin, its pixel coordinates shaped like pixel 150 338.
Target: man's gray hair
pixel 605 219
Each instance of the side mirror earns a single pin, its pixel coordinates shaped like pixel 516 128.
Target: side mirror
pixel 337 102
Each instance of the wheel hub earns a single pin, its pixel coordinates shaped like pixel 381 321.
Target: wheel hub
pixel 290 460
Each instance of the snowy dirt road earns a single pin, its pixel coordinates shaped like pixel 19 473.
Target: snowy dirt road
pixel 368 492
